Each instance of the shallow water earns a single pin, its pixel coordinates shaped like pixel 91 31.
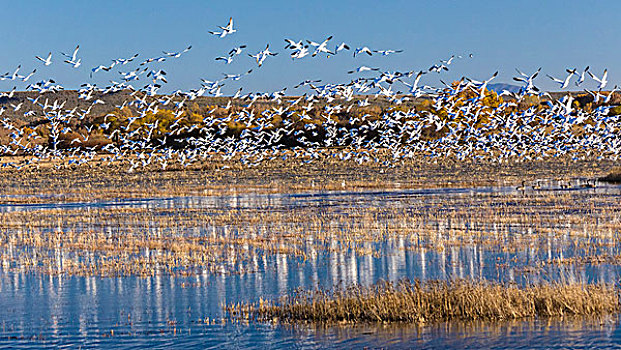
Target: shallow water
pixel 162 312
pixel 168 311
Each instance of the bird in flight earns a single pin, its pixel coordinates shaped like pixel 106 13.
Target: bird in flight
pixel 101 67
pixel 529 86
pixel 564 83
pixel 603 81
pixel 237 50
pixel 177 54
pixel 262 55
pixel 73 60
pixel 321 47
pixel 363 50
pixel 124 61
pixel 581 76
pixel 225 59
pixel 46 61
pixel 387 52
pixel 341 47
pixel 299 50
pixel 232 53
pixel 225 30
pixel 362 69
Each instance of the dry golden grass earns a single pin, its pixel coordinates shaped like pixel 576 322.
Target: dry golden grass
pixel 562 227
pixel 433 301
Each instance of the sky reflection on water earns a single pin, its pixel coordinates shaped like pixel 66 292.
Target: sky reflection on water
pixel 171 311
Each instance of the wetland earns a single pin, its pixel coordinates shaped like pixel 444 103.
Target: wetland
pixel 220 258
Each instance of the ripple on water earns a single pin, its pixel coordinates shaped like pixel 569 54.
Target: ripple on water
pixel 161 311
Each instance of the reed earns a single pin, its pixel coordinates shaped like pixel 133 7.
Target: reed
pixel 614 176
pixel 432 301
pixel 555 228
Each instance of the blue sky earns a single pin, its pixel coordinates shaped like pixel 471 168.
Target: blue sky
pixel 502 36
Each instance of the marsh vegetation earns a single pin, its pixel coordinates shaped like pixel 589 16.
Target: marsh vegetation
pixel 520 232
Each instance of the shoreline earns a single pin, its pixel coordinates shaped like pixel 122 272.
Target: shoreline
pixel 102 181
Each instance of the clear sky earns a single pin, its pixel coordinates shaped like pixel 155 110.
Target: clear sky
pixel 502 35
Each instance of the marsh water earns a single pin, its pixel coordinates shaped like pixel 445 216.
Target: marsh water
pixel 164 310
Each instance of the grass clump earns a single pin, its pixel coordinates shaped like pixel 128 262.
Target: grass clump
pixel 613 177
pixel 433 301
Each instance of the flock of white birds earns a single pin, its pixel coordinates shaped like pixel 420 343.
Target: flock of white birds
pixel 319 123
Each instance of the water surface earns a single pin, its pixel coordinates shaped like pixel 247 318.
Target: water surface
pixel 172 311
